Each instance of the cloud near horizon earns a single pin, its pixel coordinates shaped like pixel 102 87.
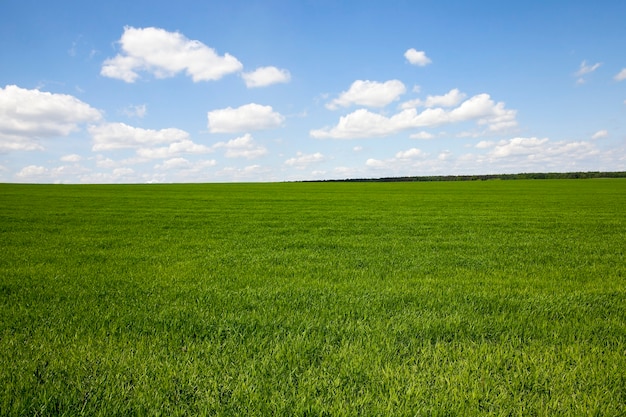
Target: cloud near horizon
pixel 111 136
pixel 241 147
pixel 302 160
pixel 525 154
pixel 363 123
pixel 27 116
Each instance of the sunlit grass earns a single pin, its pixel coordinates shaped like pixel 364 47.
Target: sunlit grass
pixel 495 297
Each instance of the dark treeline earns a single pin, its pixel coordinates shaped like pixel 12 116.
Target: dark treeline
pixel 522 176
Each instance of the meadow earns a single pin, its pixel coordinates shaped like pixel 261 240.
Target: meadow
pixel 314 299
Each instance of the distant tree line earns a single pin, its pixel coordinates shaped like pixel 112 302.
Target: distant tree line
pixel 522 176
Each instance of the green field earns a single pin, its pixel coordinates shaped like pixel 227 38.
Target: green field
pixel 442 298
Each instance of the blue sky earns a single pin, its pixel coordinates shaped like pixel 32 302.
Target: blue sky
pixel 204 91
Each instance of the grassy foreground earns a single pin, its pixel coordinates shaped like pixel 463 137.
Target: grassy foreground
pixel 472 298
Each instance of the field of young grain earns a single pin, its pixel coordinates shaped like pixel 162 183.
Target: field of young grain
pixel 446 298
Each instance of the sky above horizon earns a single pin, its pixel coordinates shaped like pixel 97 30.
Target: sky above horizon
pixel 206 91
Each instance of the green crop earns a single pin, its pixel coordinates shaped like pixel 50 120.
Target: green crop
pixel 445 298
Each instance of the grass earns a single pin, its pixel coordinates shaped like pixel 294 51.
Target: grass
pixel 471 298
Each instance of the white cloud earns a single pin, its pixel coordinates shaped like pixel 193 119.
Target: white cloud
pixel 587 69
pixel 18 143
pixel 188 169
pixel 363 123
pixel 301 160
pixel 620 76
pixel 165 54
pixel 242 147
pixel 251 172
pixel 111 136
pixel 484 144
pixel 264 76
pixel 71 158
pixel 422 135
pixel 411 104
pixel 29 115
pixel 32 171
pixel 482 108
pixel 369 93
pixel 121 172
pixel 184 146
pixel 444 155
pixel 119 175
pixel 138 111
pixel 518 146
pixel 600 134
pixel 506 156
pixel 418 58
pixel 245 118
pixel 375 163
pixel 450 99
pixel 102 162
pixel 584 70
pixel 410 154
pixel 400 164
pixel 174 163
pixel 542 154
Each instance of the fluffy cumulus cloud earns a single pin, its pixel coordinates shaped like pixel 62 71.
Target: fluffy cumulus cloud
pixel 71 158
pixel 519 146
pixel 37 173
pixel 403 160
pixel 138 111
pixel 483 144
pixel 183 146
pixel 416 57
pixel 302 160
pixel 110 136
pixel 486 112
pixel 174 163
pixel 450 99
pixel 620 76
pixel 422 135
pixel 363 123
pixel 540 153
pixel 369 93
pixel 32 171
pixel 600 134
pixel 242 147
pixel 165 54
pixel 265 76
pixel 26 116
pixel 249 173
pixel 410 154
pixel 246 118
pixel 183 170
pixel 519 154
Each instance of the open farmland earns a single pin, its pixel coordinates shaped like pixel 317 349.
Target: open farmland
pixel 444 298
